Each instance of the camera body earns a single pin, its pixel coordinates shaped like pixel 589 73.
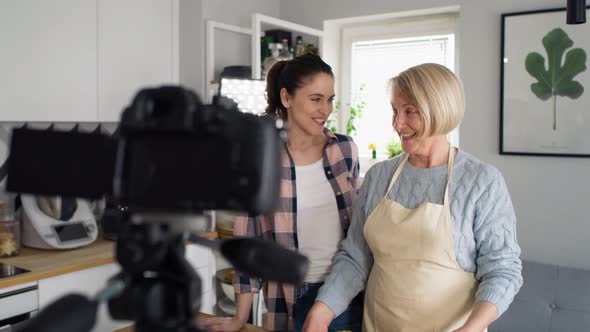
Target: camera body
pixel 178 154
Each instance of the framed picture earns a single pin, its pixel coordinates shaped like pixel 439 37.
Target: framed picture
pixel 545 85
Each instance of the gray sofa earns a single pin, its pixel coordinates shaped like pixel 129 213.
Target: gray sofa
pixel 552 299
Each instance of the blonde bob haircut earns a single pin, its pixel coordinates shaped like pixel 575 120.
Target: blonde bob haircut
pixel 436 92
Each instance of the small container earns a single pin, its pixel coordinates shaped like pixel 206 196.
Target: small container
pixel 275 49
pixel 299 47
pixel 285 54
pixel 10 236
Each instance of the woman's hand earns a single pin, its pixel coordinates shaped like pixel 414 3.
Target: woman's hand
pixel 222 323
pixel 319 318
pixel 483 314
pixel 234 323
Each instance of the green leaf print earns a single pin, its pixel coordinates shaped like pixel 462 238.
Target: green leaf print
pixel 556 79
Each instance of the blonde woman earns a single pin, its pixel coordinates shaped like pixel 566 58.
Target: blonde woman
pixel 433 235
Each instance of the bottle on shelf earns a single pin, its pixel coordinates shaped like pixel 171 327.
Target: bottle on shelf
pixel 285 54
pixel 299 47
pixel 275 49
pixel 265 52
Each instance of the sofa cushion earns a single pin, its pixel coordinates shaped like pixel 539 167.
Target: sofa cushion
pixel 552 299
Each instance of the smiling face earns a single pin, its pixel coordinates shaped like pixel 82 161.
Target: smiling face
pixel 408 123
pixel 310 106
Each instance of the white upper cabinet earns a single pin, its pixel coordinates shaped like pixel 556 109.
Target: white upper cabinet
pixel 48 57
pixel 137 48
pixel 83 60
pixel 262 23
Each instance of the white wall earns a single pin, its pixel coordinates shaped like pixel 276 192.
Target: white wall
pixel 551 195
pixel 238 12
pixel 191 44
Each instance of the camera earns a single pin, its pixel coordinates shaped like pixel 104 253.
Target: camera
pixel 171 155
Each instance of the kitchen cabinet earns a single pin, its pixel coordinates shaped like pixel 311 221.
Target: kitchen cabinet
pixel 203 261
pixel 83 60
pixel 214 60
pixel 90 281
pixel 261 23
pixel 86 282
pixel 17 304
pixel 137 47
pixel 48 60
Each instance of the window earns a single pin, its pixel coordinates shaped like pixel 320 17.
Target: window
pixel 372 66
pixel 374 53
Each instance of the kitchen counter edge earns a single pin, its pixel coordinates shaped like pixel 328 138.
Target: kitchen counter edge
pixel 45 263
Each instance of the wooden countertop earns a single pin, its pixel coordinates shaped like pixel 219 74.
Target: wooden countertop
pixel 247 328
pixel 45 263
pixel 49 263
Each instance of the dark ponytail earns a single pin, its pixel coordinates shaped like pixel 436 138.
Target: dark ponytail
pixel 291 75
pixel 273 91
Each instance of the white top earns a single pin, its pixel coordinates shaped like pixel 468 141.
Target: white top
pixel 318 226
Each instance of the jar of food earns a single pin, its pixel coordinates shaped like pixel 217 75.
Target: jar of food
pixel 10 241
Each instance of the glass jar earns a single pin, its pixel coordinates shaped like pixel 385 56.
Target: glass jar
pixel 275 49
pixel 10 240
pixel 284 53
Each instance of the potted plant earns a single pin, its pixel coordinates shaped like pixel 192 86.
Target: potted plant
pixel 356 112
pixel 394 147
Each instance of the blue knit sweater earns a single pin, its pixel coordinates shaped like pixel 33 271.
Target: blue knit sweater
pixel 484 227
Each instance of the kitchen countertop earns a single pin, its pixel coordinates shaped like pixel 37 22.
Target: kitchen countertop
pixel 44 263
pixel 49 263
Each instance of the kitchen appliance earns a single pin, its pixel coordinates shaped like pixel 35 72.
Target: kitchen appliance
pixel 54 223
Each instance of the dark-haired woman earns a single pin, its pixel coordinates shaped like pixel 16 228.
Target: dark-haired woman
pixel 318 186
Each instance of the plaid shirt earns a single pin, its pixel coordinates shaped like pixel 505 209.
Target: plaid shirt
pixel 340 161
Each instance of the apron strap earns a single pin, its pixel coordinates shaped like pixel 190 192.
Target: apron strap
pixel 397 173
pixel 449 171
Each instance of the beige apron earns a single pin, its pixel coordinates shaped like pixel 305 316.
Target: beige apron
pixel 415 283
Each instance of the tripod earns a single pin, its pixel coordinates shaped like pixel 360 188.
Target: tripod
pixel 163 291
